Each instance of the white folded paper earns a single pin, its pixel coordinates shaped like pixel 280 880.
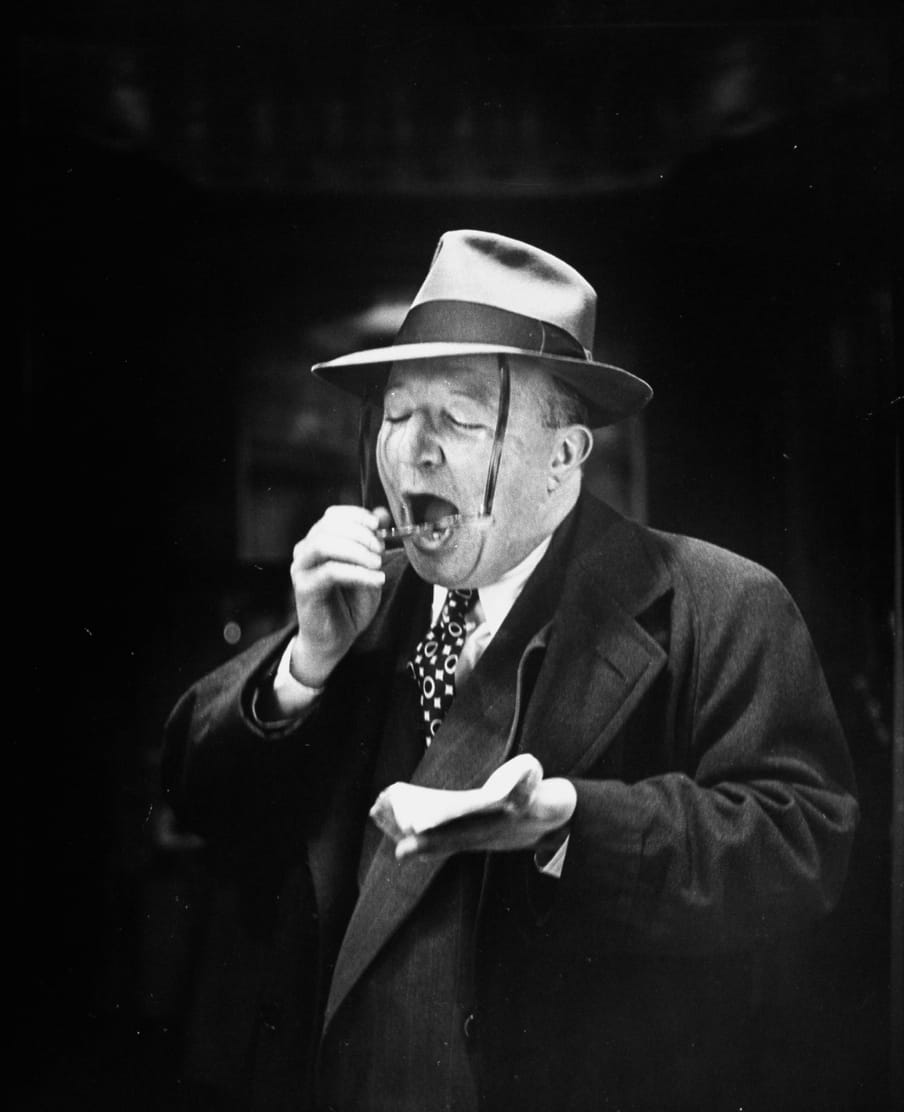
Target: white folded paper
pixel 403 809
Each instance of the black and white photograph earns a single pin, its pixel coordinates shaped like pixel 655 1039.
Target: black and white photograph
pixel 463 657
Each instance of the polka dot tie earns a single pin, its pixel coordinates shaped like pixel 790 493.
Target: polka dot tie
pixel 436 658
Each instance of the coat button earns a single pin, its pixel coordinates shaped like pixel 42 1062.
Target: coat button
pixel 270 1015
pixel 470 1027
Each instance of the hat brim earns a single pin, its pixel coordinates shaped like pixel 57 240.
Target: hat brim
pixel 611 393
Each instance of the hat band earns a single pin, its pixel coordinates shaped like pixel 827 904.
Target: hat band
pixel 469 322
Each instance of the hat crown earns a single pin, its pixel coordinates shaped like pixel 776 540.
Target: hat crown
pixel 486 294
pixel 489 269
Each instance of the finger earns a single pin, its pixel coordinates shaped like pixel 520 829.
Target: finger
pixel 365 532
pixel 352 522
pixel 501 832
pixel 348 510
pixel 334 573
pixel 321 550
pixel 459 836
pixel 419 846
pixel 343 516
pixel 554 802
pixel 422 845
pixel 407 847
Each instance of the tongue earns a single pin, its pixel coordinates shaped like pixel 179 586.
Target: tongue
pixel 437 508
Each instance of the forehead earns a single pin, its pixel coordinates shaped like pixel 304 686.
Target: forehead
pixel 476 378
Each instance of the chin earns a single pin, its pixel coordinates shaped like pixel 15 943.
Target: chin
pixel 447 567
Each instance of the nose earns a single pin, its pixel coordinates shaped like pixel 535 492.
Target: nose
pixel 419 445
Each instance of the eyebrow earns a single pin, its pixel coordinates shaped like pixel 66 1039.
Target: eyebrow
pixel 482 396
pixel 479 391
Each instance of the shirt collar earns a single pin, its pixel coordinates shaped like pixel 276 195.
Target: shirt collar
pixel 498 598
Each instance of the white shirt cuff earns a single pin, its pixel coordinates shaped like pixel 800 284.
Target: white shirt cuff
pixel 553 867
pixel 292 696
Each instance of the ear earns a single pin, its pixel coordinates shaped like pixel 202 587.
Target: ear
pixel 573 445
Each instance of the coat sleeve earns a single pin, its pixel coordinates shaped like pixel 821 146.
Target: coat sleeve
pixel 226 774
pixel 751 833
pixel 222 769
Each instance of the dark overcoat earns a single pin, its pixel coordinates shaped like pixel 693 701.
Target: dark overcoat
pixel 675 684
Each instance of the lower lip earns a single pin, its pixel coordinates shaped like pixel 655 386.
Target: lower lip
pixel 432 541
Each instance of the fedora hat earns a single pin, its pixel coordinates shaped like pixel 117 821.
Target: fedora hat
pixel 486 294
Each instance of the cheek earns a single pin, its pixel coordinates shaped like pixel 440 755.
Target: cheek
pixel 383 451
pixel 523 480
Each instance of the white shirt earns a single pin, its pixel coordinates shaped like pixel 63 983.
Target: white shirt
pixel 483 620
pixel 481 625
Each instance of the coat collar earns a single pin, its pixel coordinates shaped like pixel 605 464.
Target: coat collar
pixel 578 614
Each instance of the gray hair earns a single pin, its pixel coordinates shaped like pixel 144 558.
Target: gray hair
pixel 562 405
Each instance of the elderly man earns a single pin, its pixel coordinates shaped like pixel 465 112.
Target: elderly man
pixel 597 934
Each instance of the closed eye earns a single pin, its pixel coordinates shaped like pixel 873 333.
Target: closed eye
pixel 461 422
pixel 396 410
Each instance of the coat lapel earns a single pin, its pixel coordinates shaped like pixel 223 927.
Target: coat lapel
pixel 474 740
pixel 596 669
pixel 571 637
pixel 599 659
pixel 365 685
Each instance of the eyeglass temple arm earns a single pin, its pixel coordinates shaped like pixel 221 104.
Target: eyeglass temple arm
pixel 489 492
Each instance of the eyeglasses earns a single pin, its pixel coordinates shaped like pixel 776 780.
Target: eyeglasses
pixel 396 533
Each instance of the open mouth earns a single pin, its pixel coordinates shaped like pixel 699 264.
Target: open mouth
pixel 427 509
pixel 428 518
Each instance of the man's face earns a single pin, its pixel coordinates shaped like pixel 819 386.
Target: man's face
pixel 433 452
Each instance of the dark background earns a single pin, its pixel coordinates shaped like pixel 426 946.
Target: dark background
pixel 214 195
